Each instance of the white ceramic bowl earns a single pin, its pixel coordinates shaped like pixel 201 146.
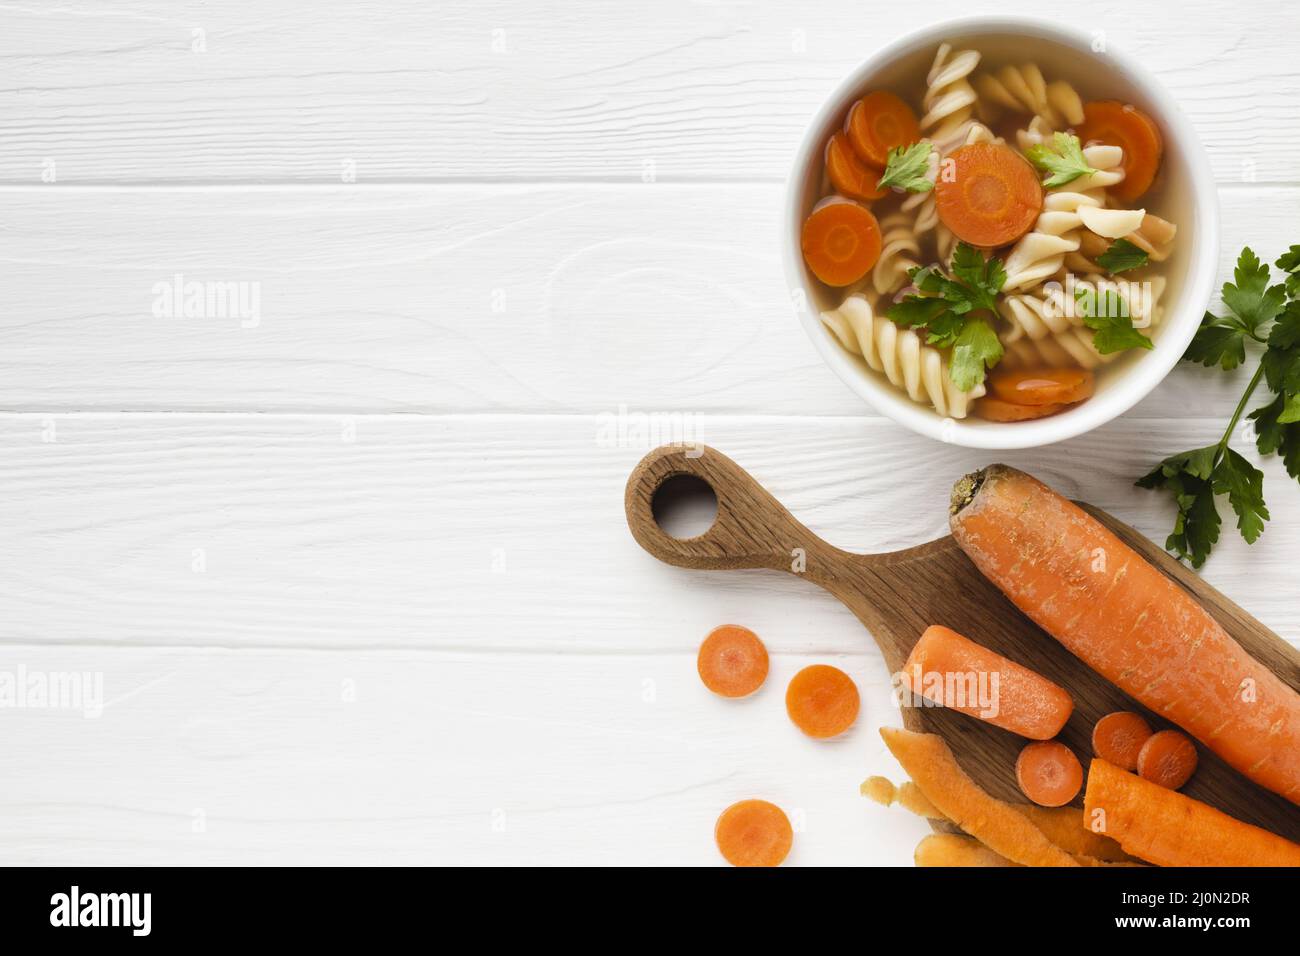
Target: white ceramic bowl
pixel 1185 194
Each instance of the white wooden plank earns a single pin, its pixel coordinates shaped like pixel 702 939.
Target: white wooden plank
pixel 481 533
pixel 458 298
pixel 116 91
pixel 212 757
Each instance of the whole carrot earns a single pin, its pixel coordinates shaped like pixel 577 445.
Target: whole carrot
pixel 1127 621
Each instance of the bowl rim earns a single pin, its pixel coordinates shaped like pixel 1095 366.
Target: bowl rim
pixel 1142 378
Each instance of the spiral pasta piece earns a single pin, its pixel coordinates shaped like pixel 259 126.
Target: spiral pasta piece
pixel 1106 162
pixel 1023 89
pixel 1062 349
pixel 922 206
pixel 1040 253
pixel 949 98
pixel 899 252
pixel 1048 326
pixel 906 361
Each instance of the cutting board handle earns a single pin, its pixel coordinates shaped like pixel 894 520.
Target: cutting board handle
pixel 752 529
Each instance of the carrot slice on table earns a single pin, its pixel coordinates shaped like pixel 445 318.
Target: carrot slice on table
pixel 850 175
pixel 1130 623
pixel 988 194
pixel 1125 126
pixel 1168 828
pixel 879 122
pixel 1168 759
pixel 997 824
pixel 841 242
pixel 946 667
pixel 1045 386
pixel 822 701
pixel 1118 737
pixel 754 833
pixel 996 410
pixel 1049 773
pixel 732 661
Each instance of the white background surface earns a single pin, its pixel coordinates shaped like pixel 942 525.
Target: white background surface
pixel 418 630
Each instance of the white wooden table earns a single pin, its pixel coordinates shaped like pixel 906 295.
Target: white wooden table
pixel 354 569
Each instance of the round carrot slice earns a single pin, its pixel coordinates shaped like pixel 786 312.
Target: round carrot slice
pixel 1167 758
pixel 996 410
pixel 732 661
pixel 988 194
pixel 754 833
pixel 879 122
pixel 1118 737
pixel 841 242
pixel 822 701
pixel 1049 773
pixel 1125 126
pixel 848 174
pixel 1051 386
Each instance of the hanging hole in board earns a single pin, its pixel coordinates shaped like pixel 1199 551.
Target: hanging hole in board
pixel 684 506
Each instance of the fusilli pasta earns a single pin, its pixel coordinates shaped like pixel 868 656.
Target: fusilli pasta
pixel 1023 89
pixel 906 361
pixel 1041 252
pixel 899 251
pixel 949 98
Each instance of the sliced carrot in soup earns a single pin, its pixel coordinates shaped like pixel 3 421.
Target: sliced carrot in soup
pixel 1125 126
pixel 879 122
pixel 841 242
pixel 988 194
pixel 848 174
pixel 1050 386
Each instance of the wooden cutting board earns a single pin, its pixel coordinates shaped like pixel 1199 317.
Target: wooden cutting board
pixel 898 595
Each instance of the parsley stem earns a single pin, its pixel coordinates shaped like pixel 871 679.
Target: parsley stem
pixel 1236 415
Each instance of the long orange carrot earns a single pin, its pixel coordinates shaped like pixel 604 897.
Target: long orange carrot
pixel 945 667
pixel 1127 621
pixel 1168 828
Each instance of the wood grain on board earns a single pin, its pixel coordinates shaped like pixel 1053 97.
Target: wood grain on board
pixel 898 595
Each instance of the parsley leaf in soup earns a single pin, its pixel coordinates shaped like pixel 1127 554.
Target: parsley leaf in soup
pixel 1107 314
pixel 951 312
pixel 908 168
pixel 981 278
pixel 975 350
pixel 1122 256
pixel 1065 164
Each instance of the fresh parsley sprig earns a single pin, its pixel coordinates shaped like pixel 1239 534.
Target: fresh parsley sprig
pixel 954 311
pixel 908 168
pixel 1066 163
pixel 1269 316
